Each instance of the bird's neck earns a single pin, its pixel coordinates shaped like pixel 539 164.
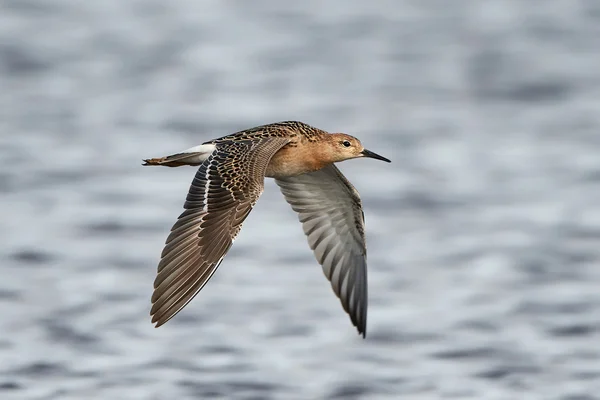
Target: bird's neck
pixel 297 159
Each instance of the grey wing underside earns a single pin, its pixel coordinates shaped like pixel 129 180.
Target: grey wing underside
pixel 330 211
pixel 224 190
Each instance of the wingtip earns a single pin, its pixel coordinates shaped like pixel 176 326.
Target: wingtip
pixel 156 322
pixel 362 330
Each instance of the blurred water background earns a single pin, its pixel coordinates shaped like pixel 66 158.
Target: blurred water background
pixel 483 233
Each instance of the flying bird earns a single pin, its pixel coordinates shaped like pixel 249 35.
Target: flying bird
pixel 227 185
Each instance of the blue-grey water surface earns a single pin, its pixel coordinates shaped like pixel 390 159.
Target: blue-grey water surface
pixel 483 233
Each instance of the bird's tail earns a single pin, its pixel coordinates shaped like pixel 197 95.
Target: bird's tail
pixel 193 156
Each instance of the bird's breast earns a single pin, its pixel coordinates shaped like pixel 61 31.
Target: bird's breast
pixel 292 161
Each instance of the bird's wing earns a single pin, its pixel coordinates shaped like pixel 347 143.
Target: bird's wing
pixel 330 210
pixel 222 194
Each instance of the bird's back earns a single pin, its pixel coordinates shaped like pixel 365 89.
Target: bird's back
pixel 299 156
pixel 295 130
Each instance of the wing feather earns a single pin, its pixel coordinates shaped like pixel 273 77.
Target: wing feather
pixel 214 210
pixel 330 211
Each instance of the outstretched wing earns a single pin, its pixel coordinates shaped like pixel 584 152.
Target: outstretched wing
pixel 330 210
pixel 222 194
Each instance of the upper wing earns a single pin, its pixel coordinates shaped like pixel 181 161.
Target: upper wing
pixel 330 210
pixel 222 194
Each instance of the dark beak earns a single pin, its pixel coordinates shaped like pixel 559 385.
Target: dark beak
pixel 370 154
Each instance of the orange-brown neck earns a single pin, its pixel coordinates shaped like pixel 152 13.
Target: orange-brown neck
pixel 298 158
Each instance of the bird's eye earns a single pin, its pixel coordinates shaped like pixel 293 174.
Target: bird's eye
pixel 346 143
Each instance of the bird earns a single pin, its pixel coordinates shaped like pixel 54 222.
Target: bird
pixel 228 183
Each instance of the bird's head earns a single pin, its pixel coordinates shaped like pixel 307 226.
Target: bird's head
pixel 341 146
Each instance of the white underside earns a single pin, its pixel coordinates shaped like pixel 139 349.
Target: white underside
pixel 200 153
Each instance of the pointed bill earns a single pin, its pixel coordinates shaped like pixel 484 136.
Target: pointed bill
pixel 370 154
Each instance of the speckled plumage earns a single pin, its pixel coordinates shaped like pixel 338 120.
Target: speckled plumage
pixel 294 130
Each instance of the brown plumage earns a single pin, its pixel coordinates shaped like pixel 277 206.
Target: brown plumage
pixel 228 183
